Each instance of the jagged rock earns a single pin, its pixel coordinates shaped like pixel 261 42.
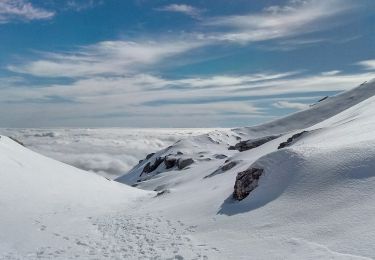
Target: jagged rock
pixel 222 169
pixel 291 139
pixel 183 163
pixel 246 182
pixel 170 162
pixel 180 153
pixel 152 167
pixel 252 143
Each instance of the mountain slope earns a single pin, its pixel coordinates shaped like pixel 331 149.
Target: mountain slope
pixel 314 199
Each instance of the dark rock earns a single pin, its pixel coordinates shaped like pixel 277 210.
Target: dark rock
pixel 183 163
pixel 252 143
pixel 180 153
pixel 149 156
pixel 220 156
pixel 152 167
pixel 291 140
pixel 246 182
pixel 222 169
pixel 170 162
pixel 320 100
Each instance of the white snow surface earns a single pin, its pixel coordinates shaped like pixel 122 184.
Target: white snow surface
pixel 109 152
pixel 315 199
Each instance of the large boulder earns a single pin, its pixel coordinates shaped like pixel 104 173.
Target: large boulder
pixel 246 182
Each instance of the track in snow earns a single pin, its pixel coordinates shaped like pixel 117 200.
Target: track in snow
pixel 124 236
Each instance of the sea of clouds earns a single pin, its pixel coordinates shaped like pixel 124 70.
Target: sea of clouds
pixel 109 152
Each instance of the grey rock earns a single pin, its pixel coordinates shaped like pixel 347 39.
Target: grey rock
pixel 152 167
pixel 291 140
pixel 220 156
pixel 252 143
pixel 170 162
pixel 183 163
pixel 246 182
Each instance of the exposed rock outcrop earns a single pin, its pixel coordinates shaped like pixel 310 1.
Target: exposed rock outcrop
pixel 246 182
pixel 183 163
pixel 291 140
pixel 169 163
pixel 152 167
pixel 252 143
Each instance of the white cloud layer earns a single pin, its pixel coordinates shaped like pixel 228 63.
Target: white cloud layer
pixel 11 10
pixel 107 152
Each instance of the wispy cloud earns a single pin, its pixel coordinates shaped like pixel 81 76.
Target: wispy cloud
pixel 80 6
pixel 103 58
pixel 367 64
pixel 153 99
pixel 182 8
pixel 331 73
pixel 275 22
pixel 11 10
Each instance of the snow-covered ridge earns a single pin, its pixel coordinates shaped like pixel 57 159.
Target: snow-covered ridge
pixel 312 197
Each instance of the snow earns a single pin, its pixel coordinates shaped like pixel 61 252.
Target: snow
pixel 315 199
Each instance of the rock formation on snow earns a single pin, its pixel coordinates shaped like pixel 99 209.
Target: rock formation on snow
pixel 246 182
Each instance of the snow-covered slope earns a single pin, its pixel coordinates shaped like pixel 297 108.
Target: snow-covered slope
pixel 45 205
pixel 314 199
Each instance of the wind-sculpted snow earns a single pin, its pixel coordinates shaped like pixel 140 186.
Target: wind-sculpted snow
pixel 108 152
pixel 313 199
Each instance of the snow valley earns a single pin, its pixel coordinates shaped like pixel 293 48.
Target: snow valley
pixel 300 187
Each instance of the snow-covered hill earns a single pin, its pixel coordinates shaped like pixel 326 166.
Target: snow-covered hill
pixel 313 200
pixel 304 190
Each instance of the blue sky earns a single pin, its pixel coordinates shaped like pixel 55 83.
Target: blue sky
pixel 161 63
